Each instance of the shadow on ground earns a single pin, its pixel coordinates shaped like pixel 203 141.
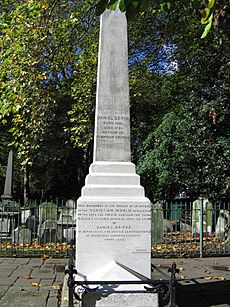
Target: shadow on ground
pixel 202 293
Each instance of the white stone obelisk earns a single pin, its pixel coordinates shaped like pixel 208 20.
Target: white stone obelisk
pixel 113 215
pixel 7 196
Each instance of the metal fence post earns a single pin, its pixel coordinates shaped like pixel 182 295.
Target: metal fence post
pixel 201 227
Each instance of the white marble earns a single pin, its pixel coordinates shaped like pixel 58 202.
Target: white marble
pixel 121 299
pixel 112 119
pixel 113 214
pixel 9 179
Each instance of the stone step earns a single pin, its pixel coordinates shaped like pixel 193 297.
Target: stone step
pixel 112 167
pixel 112 179
pixel 95 190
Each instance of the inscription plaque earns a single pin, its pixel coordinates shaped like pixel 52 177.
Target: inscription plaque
pixel 113 222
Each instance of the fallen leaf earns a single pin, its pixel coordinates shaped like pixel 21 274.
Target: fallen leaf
pixel 207 271
pixel 208 277
pixel 35 284
pixel 181 269
pixel 220 277
pixel 28 277
pixel 56 287
pixel 65 298
pixel 45 257
pixel 21 289
pixel 214 278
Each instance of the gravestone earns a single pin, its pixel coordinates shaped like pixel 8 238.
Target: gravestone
pixel 68 213
pixel 4 229
pixel 223 224
pixel 32 223
pixel 9 218
pixel 47 232
pixel 157 223
pixel 21 235
pixel 67 221
pixel 47 211
pixel 207 216
pixel 25 213
pixel 7 196
pixel 113 235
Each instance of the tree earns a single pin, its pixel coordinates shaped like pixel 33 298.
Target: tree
pixel 48 72
pixel 211 10
pixel 181 149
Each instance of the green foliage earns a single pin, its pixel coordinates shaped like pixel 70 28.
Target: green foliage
pixel 40 65
pixel 182 141
pixel 48 77
pixel 134 8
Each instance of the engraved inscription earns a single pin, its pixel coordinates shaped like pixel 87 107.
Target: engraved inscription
pixel 113 222
pixel 113 130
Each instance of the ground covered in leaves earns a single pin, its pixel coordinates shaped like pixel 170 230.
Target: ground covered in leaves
pixel 173 244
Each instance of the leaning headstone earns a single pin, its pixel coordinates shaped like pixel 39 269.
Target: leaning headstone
pixel 207 216
pixel 47 211
pixel 222 222
pixel 21 235
pixel 157 223
pixel 47 232
pixel 9 179
pixel 113 235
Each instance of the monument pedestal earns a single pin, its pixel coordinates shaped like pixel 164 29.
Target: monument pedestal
pixel 114 232
pixel 119 299
pixel 113 221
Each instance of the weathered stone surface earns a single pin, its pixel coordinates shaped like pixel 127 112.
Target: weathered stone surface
pixel 9 179
pixel 207 216
pixel 157 229
pixel 47 211
pixel 222 222
pixel 121 299
pixel 25 213
pixel 21 235
pixel 32 223
pixel 4 227
pixel 114 230
pixel 47 232
pixel 112 126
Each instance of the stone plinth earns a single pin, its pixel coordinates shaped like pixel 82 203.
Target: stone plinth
pixel 114 222
pixel 120 299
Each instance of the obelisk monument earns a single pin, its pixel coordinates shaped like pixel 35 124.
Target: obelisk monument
pixel 7 196
pixel 113 215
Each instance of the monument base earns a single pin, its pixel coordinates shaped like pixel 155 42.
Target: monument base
pixel 113 223
pixel 113 238
pixel 116 292
pixel 118 299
